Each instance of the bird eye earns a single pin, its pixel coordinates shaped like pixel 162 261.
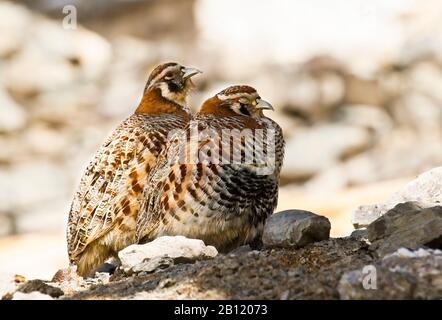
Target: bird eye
pixel 168 76
pixel 243 109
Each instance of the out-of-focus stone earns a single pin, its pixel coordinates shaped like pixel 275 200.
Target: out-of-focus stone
pixel 331 89
pixel 420 112
pixel 295 228
pixel 14 21
pixel 313 150
pixel 12 115
pixel 87 52
pixel 366 116
pixel 43 140
pixel 303 94
pixel 6 224
pixel 409 225
pixel 363 91
pixel 426 189
pixel 426 77
pixel 31 184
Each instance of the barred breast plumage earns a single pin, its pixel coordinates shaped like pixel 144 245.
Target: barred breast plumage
pixel 225 203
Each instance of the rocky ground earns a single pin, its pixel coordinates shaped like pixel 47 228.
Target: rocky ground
pixel 396 257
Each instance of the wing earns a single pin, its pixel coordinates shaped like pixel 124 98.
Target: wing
pixel 149 216
pixel 113 181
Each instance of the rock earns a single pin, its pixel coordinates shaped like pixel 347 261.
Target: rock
pixel 425 119
pixel 359 234
pixel 426 77
pixel 80 56
pixel 295 228
pixel 12 115
pixel 363 91
pixel 43 140
pixel 366 116
pixel 87 52
pixel 410 225
pixel 178 248
pixel 40 286
pixel 241 250
pixel 313 150
pixel 35 295
pixel 25 187
pixel 426 188
pixel 47 74
pixel 152 265
pixel 303 95
pixel 413 275
pixel 331 88
pixel 7 222
pixel 9 284
pixel 14 21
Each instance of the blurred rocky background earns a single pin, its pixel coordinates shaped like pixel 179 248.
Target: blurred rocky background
pixel 357 88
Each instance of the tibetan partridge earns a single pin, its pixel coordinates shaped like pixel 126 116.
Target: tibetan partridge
pixel 217 181
pixel 104 210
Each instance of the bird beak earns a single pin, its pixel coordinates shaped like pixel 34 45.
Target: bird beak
pixel 190 72
pixel 263 105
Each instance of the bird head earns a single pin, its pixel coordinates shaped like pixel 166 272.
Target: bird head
pixel 173 80
pixel 236 100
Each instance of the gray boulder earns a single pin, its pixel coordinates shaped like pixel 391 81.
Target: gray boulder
pixel 295 228
pixel 409 225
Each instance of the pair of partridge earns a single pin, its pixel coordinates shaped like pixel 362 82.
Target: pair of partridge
pixel 213 176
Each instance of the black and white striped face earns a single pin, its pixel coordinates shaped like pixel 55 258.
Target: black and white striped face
pixel 173 80
pixel 244 100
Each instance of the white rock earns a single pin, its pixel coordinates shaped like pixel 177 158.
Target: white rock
pixel 426 78
pixel 426 189
pixel 12 115
pixel 30 72
pixel 420 112
pixel 331 88
pixel 304 94
pixel 366 116
pixel 87 51
pixel 14 21
pixel 54 58
pixel 35 295
pixel 175 247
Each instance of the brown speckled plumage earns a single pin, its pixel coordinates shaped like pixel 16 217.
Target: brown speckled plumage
pixel 105 207
pixel 225 205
